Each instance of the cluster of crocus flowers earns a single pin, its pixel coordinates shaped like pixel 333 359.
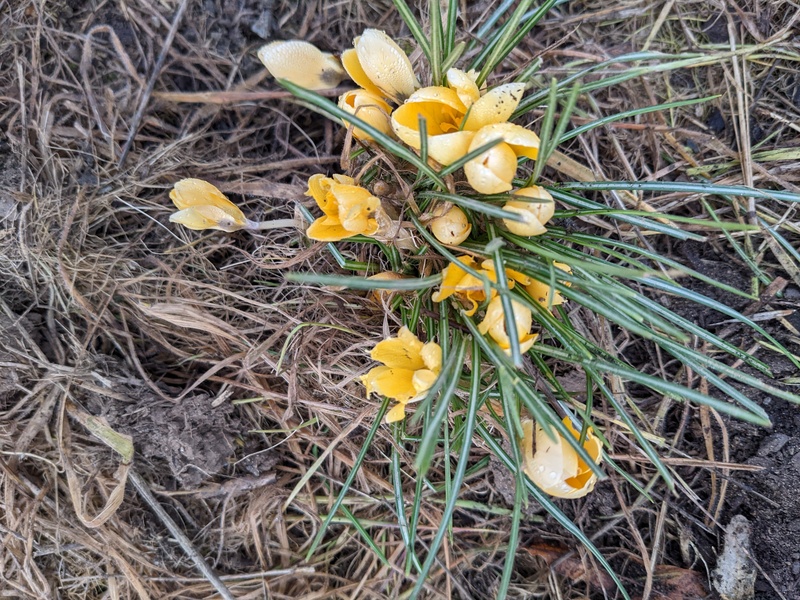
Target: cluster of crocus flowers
pixel 555 466
pixel 409 370
pixel 459 120
pixel 348 209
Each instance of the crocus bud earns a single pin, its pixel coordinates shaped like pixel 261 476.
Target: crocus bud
pixel 302 63
pixel 452 227
pixel 555 465
pixel 535 214
pixel 203 206
pixel 370 108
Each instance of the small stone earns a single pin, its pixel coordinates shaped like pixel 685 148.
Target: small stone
pixel 796 568
pixel 772 444
pixel 735 575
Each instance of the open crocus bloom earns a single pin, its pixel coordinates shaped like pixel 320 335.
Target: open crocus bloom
pixel 349 209
pixel 555 466
pixel 494 323
pixel 469 288
pixel 453 115
pixel 302 63
pixel 535 213
pixel 203 206
pixel 540 291
pixel 410 369
pixel 379 65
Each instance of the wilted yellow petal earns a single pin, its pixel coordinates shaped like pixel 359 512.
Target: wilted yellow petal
pixel 463 85
pixel 540 291
pixel 196 192
pixel 368 107
pixel 451 277
pixel 385 64
pixel 496 106
pixel 328 229
pixel 349 209
pixel 302 63
pixel 357 208
pixel 451 228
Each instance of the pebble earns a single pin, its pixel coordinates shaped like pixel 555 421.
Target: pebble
pixel 772 444
pixel 796 568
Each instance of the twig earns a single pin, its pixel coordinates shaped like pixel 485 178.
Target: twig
pixel 180 537
pixel 151 83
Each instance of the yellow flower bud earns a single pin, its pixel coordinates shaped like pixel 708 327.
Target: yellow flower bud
pixel 494 323
pixel 302 63
pixel 452 227
pixel 368 107
pixel 203 206
pixel 379 65
pixel 555 466
pixel 493 171
pixel 536 214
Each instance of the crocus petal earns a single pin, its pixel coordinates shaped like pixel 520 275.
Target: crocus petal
pixel 196 192
pixel 385 64
pixel 368 107
pixel 463 85
pixel 390 382
pixel 328 229
pixel 493 171
pixel 540 292
pixel 431 354
pixel 452 227
pixel 397 413
pixel 449 147
pixel 301 63
pixel 356 72
pixel 545 208
pixel 523 141
pixel 422 381
pixel 357 208
pixel 451 276
pixel 494 324
pixel 529 227
pixel 496 106
pixel 403 351
pixel 206 217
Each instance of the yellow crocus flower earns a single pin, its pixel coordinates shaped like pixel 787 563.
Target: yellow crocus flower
pixel 452 227
pixel 469 288
pixel 410 369
pixel 379 65
pixel 555 466
pixel 494 323
pixel 536 214
pixel 368 107
pixel 302 63
pixel 349 209
pixel 202 206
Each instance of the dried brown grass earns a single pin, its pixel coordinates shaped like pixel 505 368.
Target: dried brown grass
pixel 104 301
